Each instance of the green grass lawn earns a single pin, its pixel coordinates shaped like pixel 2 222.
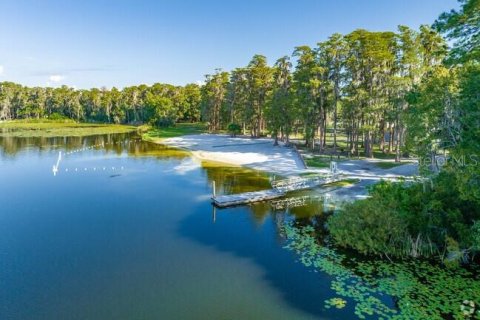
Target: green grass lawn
pixel 388 165
pixel 321 160
pixel 180 129
pixel 48 128
pixel 318 162
pixel 343 147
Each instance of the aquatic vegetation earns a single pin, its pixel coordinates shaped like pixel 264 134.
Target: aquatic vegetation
pixel 404 289
pixel 338 303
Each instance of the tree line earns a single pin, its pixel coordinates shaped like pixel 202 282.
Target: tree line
pixel 159 104
pixel 357 83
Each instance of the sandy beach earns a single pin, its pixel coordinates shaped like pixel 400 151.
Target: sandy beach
pixel 261 154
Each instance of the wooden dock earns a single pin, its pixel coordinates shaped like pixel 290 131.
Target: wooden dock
pixel 280 189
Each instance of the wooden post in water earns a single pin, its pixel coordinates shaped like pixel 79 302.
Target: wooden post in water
pixel 214 213
pixel 213 189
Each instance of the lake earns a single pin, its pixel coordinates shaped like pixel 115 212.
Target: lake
pixel 125 229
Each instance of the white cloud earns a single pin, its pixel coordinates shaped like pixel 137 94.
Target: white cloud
pixel 1 69
pixel 56 78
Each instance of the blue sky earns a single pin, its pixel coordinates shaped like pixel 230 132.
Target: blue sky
pixel 119 43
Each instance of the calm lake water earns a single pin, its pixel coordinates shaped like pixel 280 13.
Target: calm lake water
pixel 125 230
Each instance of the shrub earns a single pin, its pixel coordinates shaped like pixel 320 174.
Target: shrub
pixel 57 117
pixel 367 226
pixel 234 129
pixel 404 219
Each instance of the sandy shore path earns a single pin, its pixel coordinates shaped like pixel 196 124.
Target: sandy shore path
pixel 258 154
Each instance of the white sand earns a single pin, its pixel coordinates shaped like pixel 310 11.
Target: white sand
pixel 259 154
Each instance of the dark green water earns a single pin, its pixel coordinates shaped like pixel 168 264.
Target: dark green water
pixel 125 230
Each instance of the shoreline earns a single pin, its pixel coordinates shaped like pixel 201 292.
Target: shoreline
pixel 253 153
pixel 260 154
